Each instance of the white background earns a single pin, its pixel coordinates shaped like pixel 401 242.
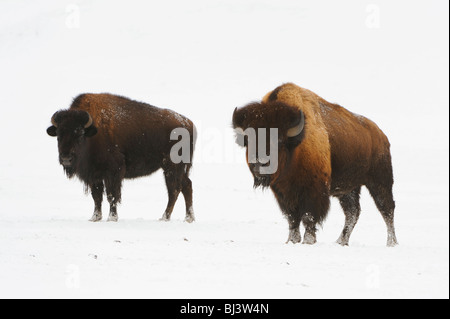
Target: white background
pixel 387 60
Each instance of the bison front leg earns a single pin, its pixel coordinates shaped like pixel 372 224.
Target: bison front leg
pixel 310 233
pixel 97 195
pixel 294 228
pixel 113 217
pixel 113 191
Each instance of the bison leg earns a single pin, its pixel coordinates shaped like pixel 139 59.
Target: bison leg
pixel 173 190
pixel 310 226
pixel 187 193
pixel 385 203
pixel 294 229
pixel 97 195
pixel 113 217
pixel 352 209
pixel 113 191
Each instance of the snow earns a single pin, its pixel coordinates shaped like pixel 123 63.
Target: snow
pixel 385 60
pixel 178 117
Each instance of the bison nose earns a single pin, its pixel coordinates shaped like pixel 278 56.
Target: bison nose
pixel 66 160
pixel 255 168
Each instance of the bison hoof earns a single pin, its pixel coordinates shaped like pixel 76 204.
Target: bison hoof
pixel 342 242
pixel 165 218
pixel 309 239
pixel 113 218
pixel 392 243
pixel 96 217
pixel 190 218
pixel 294 237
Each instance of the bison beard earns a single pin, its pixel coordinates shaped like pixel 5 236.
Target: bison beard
pixel 324 150
pixel 259 180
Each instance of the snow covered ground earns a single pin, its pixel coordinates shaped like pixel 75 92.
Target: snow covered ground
pixel 387 60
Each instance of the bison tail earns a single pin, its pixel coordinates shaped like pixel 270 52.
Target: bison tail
pixel 192 149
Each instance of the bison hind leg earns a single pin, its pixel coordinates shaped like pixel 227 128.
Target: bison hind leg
pixel 352 209
pixel 173 184
pixel 385 203
pixel 187 194
pixel 177 181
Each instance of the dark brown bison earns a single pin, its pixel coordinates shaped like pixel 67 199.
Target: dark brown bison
pixel 323 150
pixel 104 138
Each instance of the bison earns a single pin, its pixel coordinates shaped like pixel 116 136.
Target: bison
pixel 323 150
pixel 105 138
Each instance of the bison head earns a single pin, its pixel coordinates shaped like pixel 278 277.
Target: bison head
pixel 255 123
pixel 72 127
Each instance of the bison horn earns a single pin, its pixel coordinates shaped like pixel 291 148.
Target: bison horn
pixel 296 130
pixel 89 122
pixel 54 121
pixel 234 114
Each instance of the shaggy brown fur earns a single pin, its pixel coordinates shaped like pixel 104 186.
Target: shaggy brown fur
pixel 336 153
pixel 127 139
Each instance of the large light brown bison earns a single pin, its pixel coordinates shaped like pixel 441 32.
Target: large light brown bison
pixel 105 138
pixel 323 150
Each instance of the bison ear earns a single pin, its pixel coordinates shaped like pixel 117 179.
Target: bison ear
pixel 52 131
pixel 90 131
